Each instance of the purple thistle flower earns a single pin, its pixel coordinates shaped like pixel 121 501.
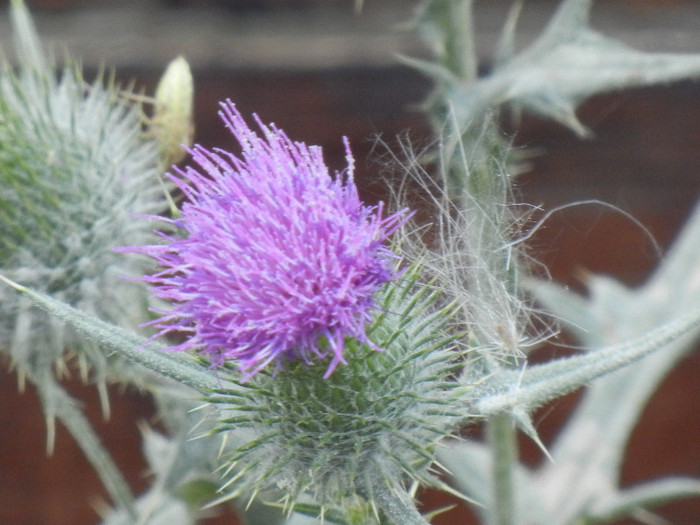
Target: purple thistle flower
pixel 280 261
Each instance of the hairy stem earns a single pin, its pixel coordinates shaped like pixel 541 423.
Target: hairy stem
pixel 542 383
pixel 128 345
pixel 501 437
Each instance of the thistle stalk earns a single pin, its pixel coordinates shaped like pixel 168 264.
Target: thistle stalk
pixel 477 184
pixel 501 436
pixel 130 346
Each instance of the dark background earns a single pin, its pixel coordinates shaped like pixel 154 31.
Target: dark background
pixel 645 158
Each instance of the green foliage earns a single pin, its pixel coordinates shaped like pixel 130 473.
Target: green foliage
pixel 74 166
pixel 670 293
pixel 566 64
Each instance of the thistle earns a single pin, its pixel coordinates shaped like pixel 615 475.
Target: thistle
pixel 281 275
pixel 73 167
pixel 278 262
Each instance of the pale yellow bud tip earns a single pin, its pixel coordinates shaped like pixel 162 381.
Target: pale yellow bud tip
pixel 173 124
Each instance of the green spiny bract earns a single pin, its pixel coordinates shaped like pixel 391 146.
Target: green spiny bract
pixel 73 167
pixel 374 421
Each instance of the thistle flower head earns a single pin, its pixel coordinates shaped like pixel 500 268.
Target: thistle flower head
pixel 279 261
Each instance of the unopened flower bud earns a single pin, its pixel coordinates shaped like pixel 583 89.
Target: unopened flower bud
pixel 173 125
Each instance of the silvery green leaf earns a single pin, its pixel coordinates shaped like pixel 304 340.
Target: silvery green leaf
pixel 300 519
pixel 589 449
pixel 59 404
pixel 181 466
pixel 568 63
pixel 553 78
pixel 646 495
pixel 155 508
pixel 506 42
pixel 469 465
pixel 159 451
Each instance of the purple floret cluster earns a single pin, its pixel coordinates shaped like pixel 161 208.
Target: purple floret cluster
pixel 280 260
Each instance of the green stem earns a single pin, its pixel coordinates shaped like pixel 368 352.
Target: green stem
pixel 502 439
pixel 460 53
pixel 62 406
pixel 397 506
pixel 542 383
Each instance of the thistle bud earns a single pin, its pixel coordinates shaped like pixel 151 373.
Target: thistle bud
pixel 73 167
pixel 375 422
pixel 173 124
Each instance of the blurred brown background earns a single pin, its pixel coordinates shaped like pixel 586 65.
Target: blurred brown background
pixel 320 71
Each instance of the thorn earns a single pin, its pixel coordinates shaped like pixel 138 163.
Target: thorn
pixel 21 381
pixel 50 435
pixel 524 422
pixel 104 399
pixel 14 285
